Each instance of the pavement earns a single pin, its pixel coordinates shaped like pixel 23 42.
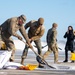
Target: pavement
pixel 31 59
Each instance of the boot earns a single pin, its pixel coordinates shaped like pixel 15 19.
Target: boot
pixel 40 66
pixel 22 61
pixel 72 61
pixel 65 61
pixel 11 60
pixel 12 56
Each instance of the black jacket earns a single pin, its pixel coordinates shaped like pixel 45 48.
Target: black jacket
pixel 70 39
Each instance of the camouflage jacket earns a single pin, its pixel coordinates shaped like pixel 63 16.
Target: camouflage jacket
pixel 11 26
pixel 34 32
pixel 51 36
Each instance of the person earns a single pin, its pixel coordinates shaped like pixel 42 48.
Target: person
pixel 35 32
pixel 69 44
pixel 9 28
pixel 51 39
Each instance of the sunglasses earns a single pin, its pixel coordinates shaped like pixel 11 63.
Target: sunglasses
pixel 40 24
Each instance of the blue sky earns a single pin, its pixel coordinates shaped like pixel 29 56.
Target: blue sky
pixel 61 12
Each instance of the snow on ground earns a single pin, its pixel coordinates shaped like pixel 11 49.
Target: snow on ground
pixel 20 45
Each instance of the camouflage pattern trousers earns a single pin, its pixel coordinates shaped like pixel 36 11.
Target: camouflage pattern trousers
pixel 51 49
pixel 25 51
pixel 9 44
pixel 38 45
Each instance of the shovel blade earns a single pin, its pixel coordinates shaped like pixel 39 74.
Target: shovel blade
pixel 40 60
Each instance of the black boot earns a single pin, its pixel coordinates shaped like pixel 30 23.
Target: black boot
pixel 11 60
pixel 65 61
pixel 40 66
pixel 72 61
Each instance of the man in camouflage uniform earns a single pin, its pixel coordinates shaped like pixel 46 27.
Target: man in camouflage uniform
pixel 9 28
pixel 52 43
pixel 36 31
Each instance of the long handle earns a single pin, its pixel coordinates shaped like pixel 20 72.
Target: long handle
pixel 40 57
pixel 47 45
pixel 31 49
pixel 43 59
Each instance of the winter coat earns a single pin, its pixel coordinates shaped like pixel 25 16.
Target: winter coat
pixel 10 27
pixel 70 39
pixel 51 36
pixel 34 32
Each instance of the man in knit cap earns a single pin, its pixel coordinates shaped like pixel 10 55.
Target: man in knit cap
pixel 9 28
pixel 35 32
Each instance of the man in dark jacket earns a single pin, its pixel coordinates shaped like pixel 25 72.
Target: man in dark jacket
pixel 69 44
pixel 9 28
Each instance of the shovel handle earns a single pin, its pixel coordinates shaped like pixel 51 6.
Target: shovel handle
pixel 24 42
pixel 40 56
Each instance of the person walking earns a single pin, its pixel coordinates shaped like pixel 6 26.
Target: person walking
pixel 35 32
pixel 52 43
pixel 9 28
pixel 69 44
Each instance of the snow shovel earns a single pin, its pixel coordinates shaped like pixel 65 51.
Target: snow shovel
pixel 39 58
pixel 32 66
pixel 72 57
pixel 28 67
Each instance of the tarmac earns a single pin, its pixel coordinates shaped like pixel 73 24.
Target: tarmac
pixel 31 59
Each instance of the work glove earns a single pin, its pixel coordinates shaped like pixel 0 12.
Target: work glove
pixel 29 45
pixel 19 37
